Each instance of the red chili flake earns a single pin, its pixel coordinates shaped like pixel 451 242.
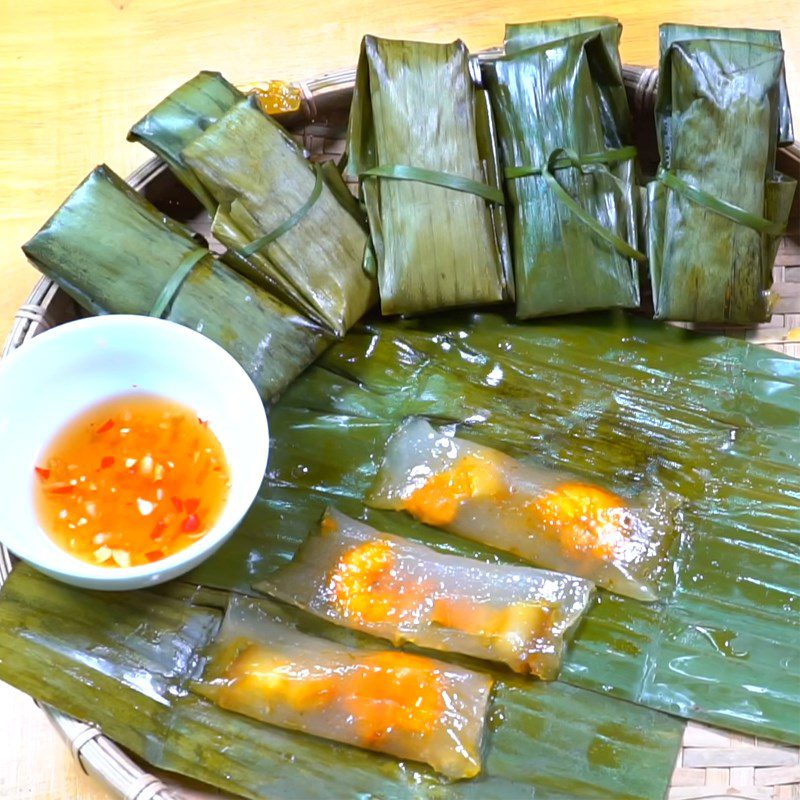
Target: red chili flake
pixel 106 462
pixel 158 529
pixel 43 473
pixel 106 426
pixel 60 488
pixel 178 503
pixel 191 505
pixel 154 555
pixel 191 524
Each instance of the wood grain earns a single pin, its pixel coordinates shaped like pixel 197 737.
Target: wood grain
pixel 34 761
pixel 77 73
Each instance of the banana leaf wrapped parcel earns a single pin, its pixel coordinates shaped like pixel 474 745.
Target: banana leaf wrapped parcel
pixel 549 518
pixel 718 207
pixel 565 134
pixel 180 118
pixel 406 705
pixel 358 577
pixel 421 141
pixel 669 33
pixel 114 253
pixel 288 225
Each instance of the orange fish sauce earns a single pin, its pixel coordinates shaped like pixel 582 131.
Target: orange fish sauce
pixel 131 481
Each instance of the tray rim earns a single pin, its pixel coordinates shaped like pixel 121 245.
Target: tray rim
pixel 96 754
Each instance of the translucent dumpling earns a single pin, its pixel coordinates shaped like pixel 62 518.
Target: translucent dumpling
pixel 552 519
pixel 356 576
pixel 386 700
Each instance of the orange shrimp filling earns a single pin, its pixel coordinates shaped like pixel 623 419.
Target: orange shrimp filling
pixel 131 481
pixel 586 519
pixel 364 585
pixel 278 97
pixel 437 502
pixel 385 692
pixel 258 674
pixel 522 619
pixel 394 691
pixel 510 631
pixel 328 524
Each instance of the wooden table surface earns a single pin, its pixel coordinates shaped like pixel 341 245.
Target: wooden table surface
pixel 75 74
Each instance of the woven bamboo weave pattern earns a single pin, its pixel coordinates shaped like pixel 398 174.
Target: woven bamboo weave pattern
pixel 715 763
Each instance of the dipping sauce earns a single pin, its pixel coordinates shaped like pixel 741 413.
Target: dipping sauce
pixel 130 481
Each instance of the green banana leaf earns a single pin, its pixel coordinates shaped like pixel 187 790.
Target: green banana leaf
pixel 613 99
pixel 611 398
pixel 180 118
pixel 712 263
pixel 669 33
pixel 175 123
pixel 417 116
pixel 140 652
pixel 565 135
pixel 124 270
pixel 260 178
pixel 625 402
pixel 237 156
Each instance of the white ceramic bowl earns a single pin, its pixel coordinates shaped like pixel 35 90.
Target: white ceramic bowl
pixel 66 370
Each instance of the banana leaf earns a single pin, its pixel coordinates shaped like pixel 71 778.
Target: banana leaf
pixel 669 33
pixel 235 180
pixel 564 130
pixel 627 403
pixel 114 253
pixel 260 178
pixel 175 123
pixel 611 94
pixel 140 651
pixel 420 139
pixel 180 118
pixel 716 214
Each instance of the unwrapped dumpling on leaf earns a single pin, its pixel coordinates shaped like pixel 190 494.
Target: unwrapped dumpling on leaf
pixel 406 705
pixel 552 519
pixel 353 575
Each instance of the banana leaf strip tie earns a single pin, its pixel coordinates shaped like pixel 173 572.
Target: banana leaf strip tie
pixel 173 285
pixel 289 223
pixel 563 158
pixel 718 206
pixel 458 183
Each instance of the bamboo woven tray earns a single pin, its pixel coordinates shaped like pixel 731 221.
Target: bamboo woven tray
pixel 713 763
